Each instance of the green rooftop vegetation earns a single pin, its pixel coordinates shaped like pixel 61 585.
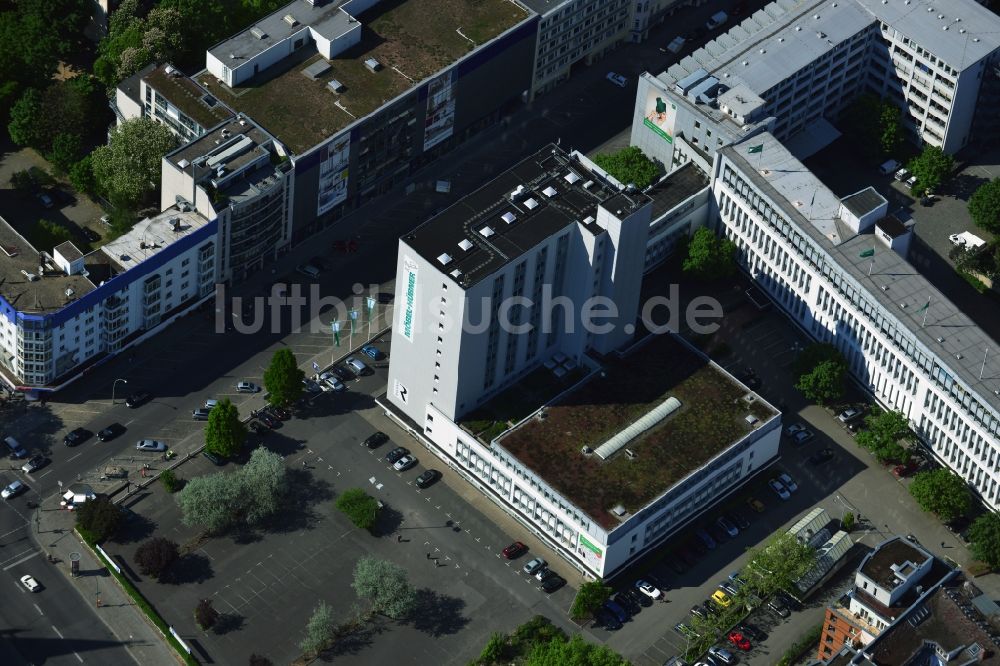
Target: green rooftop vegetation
pixel 411 39
pixel 711 418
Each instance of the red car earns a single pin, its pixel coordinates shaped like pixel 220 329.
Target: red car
pixel 739 640
pixel 905 470
pixel 515 549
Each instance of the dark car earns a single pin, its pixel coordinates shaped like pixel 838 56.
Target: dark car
pixel 638 597
pixel 514 550
pixel 278 412
pixel 428 478
pixel 136 399
pixel 396 454
pixel 258 427
pixel 626 601
pixel 268 420
pixel 342 373
pixel 699 611
pixel 739 518
pixel 752 632
pixel 78 436
pixel 619 612
pixel 822 456
pixel 112 431
pixel 376 439
pixel 213 458
pixel 90 235
pixel 552 582
pixel 35 463
pixel 718 533
pixel 607 619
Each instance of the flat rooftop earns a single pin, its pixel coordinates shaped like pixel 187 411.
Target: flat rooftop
pixel 557 190
pixel 150 236
pixel 189 97
pixel 43 293
pixel 711 418
pixel 878 565
pixel 411 39
pixel 676 187
pixel 893 283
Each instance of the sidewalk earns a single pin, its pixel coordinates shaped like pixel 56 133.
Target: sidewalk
pixel 54 535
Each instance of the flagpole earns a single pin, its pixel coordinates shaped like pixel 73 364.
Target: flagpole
pixel 983 369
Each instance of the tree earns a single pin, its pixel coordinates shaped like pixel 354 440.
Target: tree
pixel 890 127
pixel 710 257
pixel 56 119
pixel 205 614
pixel 67 150
pixel 882 434
pixel 985 537
pixel 629 166
pixel 48 234
pixel 984 206
pixel 128 168
pixel 930 167
pixel 824 383
pixel 170 481
pixel 574 651
pixel 320 630
pixel 777 564
pixel 385 586
pixel 360 508
pixel 154 556
pixel 224 433
pixel 210 502
pixel 941 492
pixel 589 598
pixel 264 481
pixel 100 518
pixel 24 127
pixel 283 378
pixel 81 176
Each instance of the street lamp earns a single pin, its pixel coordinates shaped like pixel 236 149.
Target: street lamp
pixel 114 386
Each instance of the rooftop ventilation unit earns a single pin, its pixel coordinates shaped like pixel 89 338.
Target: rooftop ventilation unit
pixel 290 20
pixel 516 192
pixel 184 164
pixel 335 85
pixel 455 273
pixel 549 191
pixel 30 276
pixel 69 292
pixel 619 510
pixel 258 32
pixel 373 64
pixel 589 219
pixel 444 259
pixel 530 203
pixel 465 244
pixel 589 184
pixel 486 232
pixel 571 178
pixel 508 217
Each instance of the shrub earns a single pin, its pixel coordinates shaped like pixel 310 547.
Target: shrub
pixel 205 614
pixel 154 556
pixel 360 508
pixel 847 522
pixel 170 481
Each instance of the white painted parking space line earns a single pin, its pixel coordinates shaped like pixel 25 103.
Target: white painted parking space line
pixel 58 633
pixel 38 609
pixel 78 657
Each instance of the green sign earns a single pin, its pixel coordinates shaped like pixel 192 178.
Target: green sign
pixel 591 547
pixel 651 125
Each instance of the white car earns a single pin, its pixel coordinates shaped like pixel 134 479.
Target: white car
pixel 150 445
pixel 404 463
pixel 902 175
pixel 617 79
pixel 911 181
pixel 957 239
pixel 779 489
pixel 648 589
pixel 30 583
pixel 849 414
pixel 247 387
pixel 787 480
pixel 332 382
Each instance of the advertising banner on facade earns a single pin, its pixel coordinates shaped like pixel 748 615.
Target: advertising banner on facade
pixel 660 114
pixel 408 313
pixel 440 121
pixel 333 172
pixel 590 552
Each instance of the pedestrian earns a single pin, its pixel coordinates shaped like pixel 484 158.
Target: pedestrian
pixel 428 556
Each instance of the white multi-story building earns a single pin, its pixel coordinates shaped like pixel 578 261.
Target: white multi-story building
pixel 492 296
pixel 837 269
pixel 795 64
pixel 62 312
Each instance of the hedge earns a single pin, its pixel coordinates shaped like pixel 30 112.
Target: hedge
pixel 809 639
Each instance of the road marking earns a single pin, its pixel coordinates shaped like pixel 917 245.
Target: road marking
pixel 78 657
pixel 75 457
pixel 58 632
pixel 38 609
pixel 23 559
pixel 129 422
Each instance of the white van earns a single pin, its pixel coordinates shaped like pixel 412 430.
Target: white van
pixel 719 19
pixel 15 447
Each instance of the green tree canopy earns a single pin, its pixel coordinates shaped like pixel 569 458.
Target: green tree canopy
pixel 128 168
pixel 359 507
pixel 589 598
pixel 777 564
pixel 984 206
pixel 575 652
pixel 47 234
pixel 710 257
pixel 883 433
pixel 224 433
pixel 629 166
pixel 930 167
pixel 874 124
pixel 320 630
pixel 283 378
pixel 985 537
pixel 59 119
pixel 890 127
pixel 155 556
pixel 941 492
pixel 205 614
pixel 824 383
pixel 386 587
pixel 100 517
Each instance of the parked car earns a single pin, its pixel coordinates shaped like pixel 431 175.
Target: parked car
pixel 794 428
pixel 30 583
pixel 736 578
pixel 332 381
pixel 788 482
pixel 109 433
pixel 911 181
pixel 675 563
pixel 778 607
pixel 822 456
pixel 905 469
pixel 552 582
pixel 706 539
pixel 617 79
pixel 638 597
pixel 608 620
pixel 722 599
pixel 200 414
pixel 153 445
pixel 393 456
pixel 718 533
pixel 13 489
pixel 79 435
pixel 376 439
pixel 308 270
pixel 849 414
pixel 311 387
pixel 728 525
pixel 372 352
pixel 279 413
pixel 647 588
pixel 779 489
pixel 729 587
pixel 319 263
pixel 534 566
pixel 45 200
pixel 427 478
pixel 342 373
pixel 514 550
pixel 404 463
pixel 357 366
pixel 901 175
pixel 700 612
pixel 751 631
pixel 618 611
pixel 136 399
pixel 755 504
pixel 213 458
pixel 625 600
pixel 90 235
pixel 722 655
pixel 247 387
pixel 739 518
pixel 35 462
pixel 802 437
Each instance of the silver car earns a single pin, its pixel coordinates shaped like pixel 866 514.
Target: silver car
pixel 534 566
pixel 153 445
